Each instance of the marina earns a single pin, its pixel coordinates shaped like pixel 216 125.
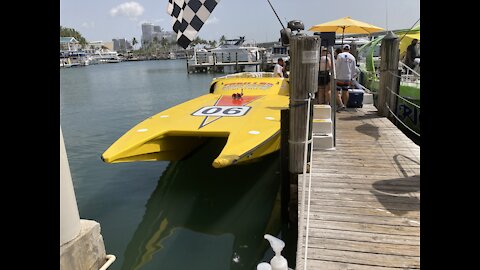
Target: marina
pixel 216 156
pixel 358 208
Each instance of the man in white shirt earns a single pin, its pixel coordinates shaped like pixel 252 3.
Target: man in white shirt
pixel 346 70
pixel 278 70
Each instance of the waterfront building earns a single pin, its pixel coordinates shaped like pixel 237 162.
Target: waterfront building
pixel 147 33
pixel 151 31
pixel 69 44
pixel 121 44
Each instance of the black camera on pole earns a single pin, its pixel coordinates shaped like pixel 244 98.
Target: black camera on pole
pixel 286 33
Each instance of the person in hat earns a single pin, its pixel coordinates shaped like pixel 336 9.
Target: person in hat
pixel 346 70
pixel 324 67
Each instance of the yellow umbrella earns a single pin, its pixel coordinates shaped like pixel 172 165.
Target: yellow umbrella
pixel 346 25
pixel 407 40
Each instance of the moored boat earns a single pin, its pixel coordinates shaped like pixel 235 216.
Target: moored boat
pixel 245 107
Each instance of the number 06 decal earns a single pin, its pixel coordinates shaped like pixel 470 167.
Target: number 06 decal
pixel 226 111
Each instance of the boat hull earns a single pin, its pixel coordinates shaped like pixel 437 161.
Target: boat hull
pixel 241 107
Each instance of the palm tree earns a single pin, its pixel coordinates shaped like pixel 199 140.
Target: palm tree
pixel 134 41
pixel 222 39
pixel 83 43
pixel 196 41
pixel 155 45
pixel 213 43
pixel 164 43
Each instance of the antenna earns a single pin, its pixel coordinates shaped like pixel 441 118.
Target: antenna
pixel 386 12
pixel 276 15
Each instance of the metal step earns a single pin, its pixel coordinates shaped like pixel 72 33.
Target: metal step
pixel 322 126
pixel 321 111
pixel 323 142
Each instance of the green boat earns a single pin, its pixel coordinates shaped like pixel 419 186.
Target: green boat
pixel 409 85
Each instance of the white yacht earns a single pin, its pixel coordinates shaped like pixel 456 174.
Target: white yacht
pixel 106 56
pixel 73 58
pixel 227 54
pixel 274 53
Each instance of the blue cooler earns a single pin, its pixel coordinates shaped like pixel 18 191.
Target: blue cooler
pixel 355 98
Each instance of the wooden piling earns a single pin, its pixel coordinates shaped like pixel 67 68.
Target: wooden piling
pixel 186 59
pixel 214 62
pixel 304 59
pixel 236 61
pixel 389 55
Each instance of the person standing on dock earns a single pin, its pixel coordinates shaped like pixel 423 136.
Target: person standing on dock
pixel 278 70
pixel 286 69
pixel 323 94
pixel 337 52
pixel 346 69
pixel 411 54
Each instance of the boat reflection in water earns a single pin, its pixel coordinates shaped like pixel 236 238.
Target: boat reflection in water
pixel 200 217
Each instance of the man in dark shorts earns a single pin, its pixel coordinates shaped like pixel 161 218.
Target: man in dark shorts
pixel 346 70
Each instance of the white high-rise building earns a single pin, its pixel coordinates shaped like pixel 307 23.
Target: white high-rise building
pixel 121 44
pixel 147 33
pixel 150 31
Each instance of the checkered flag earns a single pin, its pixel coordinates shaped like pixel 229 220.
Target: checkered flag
pixel 188 17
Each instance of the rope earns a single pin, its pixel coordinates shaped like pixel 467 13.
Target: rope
pixel 401 120
pixel 302 205
pixel 394 75
pixel 403 98
pixel 302 99
pixel 308 204
pixel 410 69
pixel 409 29
pixel 308 141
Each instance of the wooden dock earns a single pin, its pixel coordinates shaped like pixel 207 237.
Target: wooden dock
pixel 365 198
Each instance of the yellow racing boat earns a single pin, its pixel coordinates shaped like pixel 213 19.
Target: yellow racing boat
pixel 245 107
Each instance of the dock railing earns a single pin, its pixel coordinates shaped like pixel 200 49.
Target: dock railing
pixel 393 111
pixel 410 75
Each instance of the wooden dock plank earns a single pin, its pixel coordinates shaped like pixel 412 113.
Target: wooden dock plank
pixel 361 227
pixel 365 236
pixel 367 247
pixel 393 221
pixel 365 198
pixel 381 198
pixel 364 211
pixel 365 258
pixel 315 264
pixel 362 204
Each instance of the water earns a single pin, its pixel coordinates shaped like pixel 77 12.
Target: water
pixel 162 215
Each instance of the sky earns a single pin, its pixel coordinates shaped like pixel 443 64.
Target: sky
pixel 103 20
